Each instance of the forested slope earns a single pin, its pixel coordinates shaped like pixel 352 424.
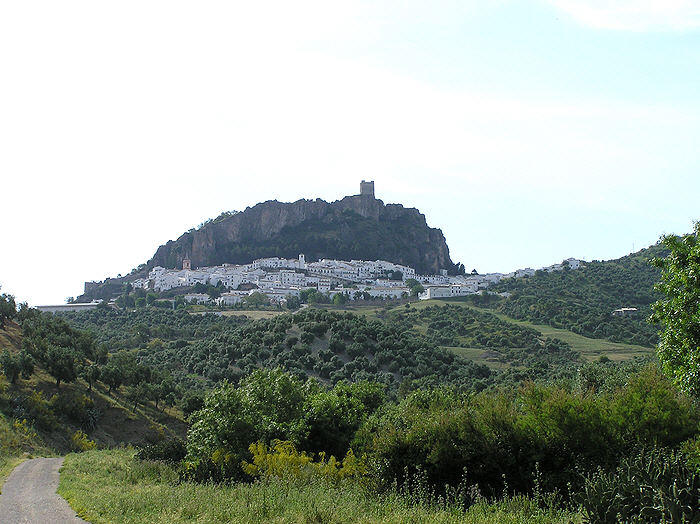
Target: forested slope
pixel 582 300
pixel 406 343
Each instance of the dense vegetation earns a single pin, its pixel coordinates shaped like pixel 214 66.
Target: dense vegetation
pixel 456 326
pixel 405 344
pixel 59 385
pixel 556 442
pixel 679 310
pixel 582 300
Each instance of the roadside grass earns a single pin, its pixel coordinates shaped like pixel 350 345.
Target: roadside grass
pixel 17 443
pixel 114 487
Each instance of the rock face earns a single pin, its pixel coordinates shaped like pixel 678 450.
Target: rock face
pixel 356 227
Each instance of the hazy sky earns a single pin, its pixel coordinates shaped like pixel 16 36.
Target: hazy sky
pixel 528 131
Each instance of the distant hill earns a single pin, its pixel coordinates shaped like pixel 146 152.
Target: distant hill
pixel 358 227
pixel 583 300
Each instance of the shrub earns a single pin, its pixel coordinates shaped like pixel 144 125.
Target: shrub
pixel 541 432
pixel 650 486
pixel 284 461
pixel 80 442
pixel 76 408
pixel 35 408
pixel 267 405
pixel 24 432
pixel 171 451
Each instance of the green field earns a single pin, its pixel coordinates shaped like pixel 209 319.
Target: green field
pixel 113 487
pixel 480 356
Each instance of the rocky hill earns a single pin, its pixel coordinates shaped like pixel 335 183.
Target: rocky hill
pixel 356 227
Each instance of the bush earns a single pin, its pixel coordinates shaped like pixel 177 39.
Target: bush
pixel 170 451
pixel 80 442
pixel 77 408
pixel 267 405
pixel 650 486
pixel 24 432
pixel 541 432
pixel 284 461
pixel 35 408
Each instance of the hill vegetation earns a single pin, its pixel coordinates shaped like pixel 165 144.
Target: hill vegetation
pixel 419 344
pixel 52 402
pixel 583 300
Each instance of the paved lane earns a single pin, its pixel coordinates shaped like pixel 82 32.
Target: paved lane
pixel 29 495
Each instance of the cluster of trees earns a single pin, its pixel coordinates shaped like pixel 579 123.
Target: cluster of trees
pixel 272 404
pixel 536 437
pixel 582 300
pixel 679 309
pixel 201 350
pixel 68 354
pixel 331 346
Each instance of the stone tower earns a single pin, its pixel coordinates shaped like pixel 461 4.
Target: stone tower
pixel 186 263
pixel 367 188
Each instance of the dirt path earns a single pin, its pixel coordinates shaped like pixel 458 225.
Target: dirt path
pixel 29 495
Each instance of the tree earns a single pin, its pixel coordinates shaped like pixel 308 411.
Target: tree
pixel 8 309
pixel 679 310
pixel 293 302
pixel 26 364
pixel 91 374
pixel 414 287
pixel 267 405
pixel 61 363
pixel 257 299
pixel 112 376
pixel 10 366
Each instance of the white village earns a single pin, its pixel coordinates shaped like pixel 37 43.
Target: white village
pixel 280 278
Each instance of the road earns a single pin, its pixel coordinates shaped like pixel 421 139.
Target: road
pixel 29 495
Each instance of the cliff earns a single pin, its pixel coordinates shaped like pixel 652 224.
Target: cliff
pixel 356 227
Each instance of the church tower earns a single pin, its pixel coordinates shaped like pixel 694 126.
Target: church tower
pixel 186 263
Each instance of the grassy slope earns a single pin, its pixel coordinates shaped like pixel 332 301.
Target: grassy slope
pixel 118 422
pixel 16 443
pixel 113 487
pixel 589 348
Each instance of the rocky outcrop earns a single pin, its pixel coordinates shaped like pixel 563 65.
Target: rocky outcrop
pixel 356 227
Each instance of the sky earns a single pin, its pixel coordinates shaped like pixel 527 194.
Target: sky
pixel 529 131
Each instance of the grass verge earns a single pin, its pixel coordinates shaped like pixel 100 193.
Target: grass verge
pixel 111 486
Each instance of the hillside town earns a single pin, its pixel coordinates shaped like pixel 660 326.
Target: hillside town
pixel 280 278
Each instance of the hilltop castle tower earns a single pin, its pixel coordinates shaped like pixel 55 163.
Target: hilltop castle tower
pixel 367 188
